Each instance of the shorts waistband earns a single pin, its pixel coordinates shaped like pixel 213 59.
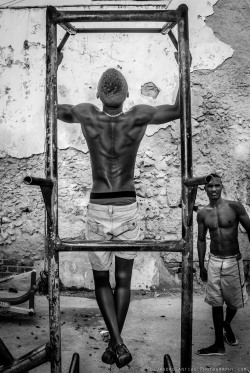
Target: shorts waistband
pixel 236 256
pixel 130 207
pixel 125 193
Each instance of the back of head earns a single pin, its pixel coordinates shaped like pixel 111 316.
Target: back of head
pixel 112 88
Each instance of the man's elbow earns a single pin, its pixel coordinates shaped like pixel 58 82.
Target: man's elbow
pixel 64 113
pixel 201 243
pixel 60 112
pixel 177 112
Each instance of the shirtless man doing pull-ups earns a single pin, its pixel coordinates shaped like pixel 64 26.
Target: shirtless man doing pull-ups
pixel 225 275
pixel 113 139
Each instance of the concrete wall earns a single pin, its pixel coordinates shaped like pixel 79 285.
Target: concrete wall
pixel 220 114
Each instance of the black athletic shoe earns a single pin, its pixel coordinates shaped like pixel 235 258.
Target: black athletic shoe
pixel 122 355
pixel 108 357
pixel 229 335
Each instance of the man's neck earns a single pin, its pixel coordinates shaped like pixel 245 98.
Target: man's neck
pixel 113 110
pixel 217 203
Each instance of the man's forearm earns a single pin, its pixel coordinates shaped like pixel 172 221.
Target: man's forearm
pixel 201 245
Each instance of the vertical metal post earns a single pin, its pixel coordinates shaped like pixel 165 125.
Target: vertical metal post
pixel 186 171
pixel 51 172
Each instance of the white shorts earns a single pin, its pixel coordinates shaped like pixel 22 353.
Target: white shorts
pixel 226 282
pixel 106 223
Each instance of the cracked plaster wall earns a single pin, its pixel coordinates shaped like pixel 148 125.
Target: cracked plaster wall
pixel 220 89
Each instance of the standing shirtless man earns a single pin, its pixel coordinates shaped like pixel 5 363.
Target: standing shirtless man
pixel 225 275
pixel 113 139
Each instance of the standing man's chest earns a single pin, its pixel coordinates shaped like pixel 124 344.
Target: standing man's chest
pixel 222 217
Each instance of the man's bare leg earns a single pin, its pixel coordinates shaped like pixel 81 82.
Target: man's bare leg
pixel 228 333
pixel 106 303
pixel 218 347
pixel 123 274
pixel 116 351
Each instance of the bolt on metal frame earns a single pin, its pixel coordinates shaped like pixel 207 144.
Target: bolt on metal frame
pixel 49 186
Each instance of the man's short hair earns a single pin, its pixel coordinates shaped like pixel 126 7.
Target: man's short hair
pixel 112 83
pixel 210 177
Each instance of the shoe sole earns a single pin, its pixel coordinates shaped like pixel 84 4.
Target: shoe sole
pixel 231 344
pixel 108 362
pixel 125 362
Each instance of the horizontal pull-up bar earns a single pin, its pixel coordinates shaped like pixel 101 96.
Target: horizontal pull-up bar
pixel 119 30
pixel 169 246
pixel 114 16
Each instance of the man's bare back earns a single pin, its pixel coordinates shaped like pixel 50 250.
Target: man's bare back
pixel 113 141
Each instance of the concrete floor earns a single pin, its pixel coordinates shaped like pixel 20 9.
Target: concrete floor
pixel 152 329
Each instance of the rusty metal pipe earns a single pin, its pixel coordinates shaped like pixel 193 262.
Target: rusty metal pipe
pixel 167 27
pixel 30 180
pixel 186 172
pixel 168 246
pixel 195 181
pixel 51 166
pixel 75 363
pixel 173 39
pixel 117 16
pixel 63 42
pixel 119 30
pixel 29 361
pixel 22 298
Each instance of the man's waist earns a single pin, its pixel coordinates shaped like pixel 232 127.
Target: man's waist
pixel 121 198
pixel 107 195
pixel 235 256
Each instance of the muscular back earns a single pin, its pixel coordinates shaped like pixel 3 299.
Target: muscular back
pixel 113 144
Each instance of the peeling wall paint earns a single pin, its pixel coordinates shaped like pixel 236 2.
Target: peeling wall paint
pixel 22 68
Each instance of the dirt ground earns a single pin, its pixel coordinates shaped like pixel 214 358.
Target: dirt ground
pixel 152 329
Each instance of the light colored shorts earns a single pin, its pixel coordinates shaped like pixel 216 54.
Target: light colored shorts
pixel 106 223
pixel 226 282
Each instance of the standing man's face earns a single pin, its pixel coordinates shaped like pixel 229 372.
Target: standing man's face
pixel 214 188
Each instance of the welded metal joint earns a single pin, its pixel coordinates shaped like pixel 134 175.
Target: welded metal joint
pixel 46 186
pixel 167 27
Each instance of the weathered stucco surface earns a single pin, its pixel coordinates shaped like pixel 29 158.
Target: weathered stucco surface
pixel 219 33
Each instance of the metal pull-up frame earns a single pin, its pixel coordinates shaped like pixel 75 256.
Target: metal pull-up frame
pixel 54 245
pixel 49 186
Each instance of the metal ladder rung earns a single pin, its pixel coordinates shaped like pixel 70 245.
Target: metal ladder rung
pixel 145 245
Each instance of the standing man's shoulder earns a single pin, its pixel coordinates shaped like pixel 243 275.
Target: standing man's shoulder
pixel 238 207
pixel 202 212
